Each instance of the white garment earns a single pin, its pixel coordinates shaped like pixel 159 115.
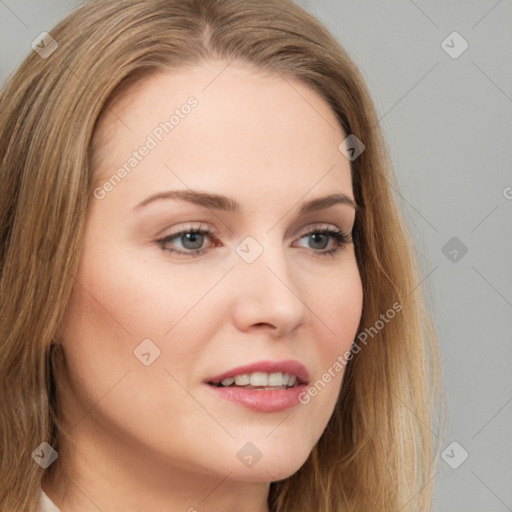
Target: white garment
pixel 46 504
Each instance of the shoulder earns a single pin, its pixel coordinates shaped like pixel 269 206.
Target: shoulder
pixel 46 504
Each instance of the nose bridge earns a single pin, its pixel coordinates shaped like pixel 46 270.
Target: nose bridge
pixel 267 291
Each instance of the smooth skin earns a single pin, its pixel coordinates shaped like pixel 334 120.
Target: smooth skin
pixel 153 437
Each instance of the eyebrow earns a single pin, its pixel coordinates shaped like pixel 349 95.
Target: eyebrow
pixel 220 202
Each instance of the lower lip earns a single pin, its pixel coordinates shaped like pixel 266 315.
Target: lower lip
pixel 272 400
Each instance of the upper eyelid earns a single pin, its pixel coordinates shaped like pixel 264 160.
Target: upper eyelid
pixel 213 234
pixel 212 231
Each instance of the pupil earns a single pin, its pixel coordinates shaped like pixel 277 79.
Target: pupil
pixel 319 237
pixel 192 240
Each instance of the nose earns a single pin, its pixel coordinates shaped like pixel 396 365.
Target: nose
pixel 267 295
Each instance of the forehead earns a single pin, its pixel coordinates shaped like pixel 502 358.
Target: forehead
pixel 245 121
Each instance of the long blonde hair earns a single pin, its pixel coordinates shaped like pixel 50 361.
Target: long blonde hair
pixel 380 448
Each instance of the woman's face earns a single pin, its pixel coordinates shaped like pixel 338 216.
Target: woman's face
pixel 151 321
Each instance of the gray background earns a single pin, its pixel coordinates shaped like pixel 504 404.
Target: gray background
pixel 448 125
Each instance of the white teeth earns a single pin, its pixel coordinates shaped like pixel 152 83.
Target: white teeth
pixel 275 379
pixel 261 379
pixel 243 380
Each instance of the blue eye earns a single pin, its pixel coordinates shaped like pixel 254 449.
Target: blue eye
pixel 320 240
pixel 192 241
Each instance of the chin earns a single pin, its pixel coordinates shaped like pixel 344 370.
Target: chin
pixel 270 469
pixel 264 474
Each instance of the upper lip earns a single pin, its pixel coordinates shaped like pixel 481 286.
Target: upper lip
pixel 289 366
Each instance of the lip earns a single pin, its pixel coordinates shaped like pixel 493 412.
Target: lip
pixel 288 366
pixel 261 400
pixel 274 400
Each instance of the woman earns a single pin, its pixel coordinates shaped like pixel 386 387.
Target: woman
pixel 209 299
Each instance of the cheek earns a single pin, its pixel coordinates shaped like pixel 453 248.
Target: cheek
pixel 124 307
pixel 336 309
pixel 121 295
pixel 114 308
pixel 337 304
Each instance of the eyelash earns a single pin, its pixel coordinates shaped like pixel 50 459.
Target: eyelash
pixel 340 239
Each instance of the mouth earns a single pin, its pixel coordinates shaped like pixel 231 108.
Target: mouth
pixel 263 375
pixel 259 380
pixel 264 387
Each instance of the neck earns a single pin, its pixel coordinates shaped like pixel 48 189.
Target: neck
pixel 97 476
